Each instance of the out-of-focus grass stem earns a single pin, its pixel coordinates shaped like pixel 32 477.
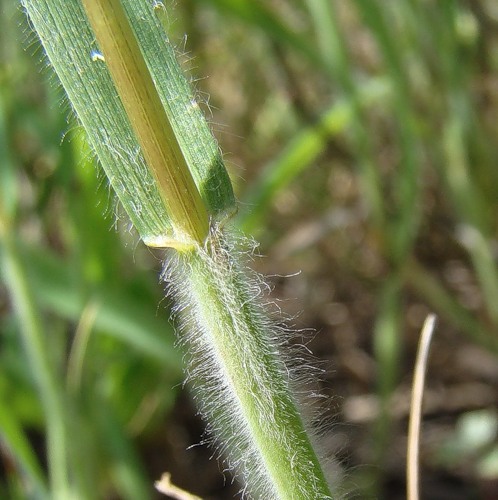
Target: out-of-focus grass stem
pixel 39 361
pixel 331 42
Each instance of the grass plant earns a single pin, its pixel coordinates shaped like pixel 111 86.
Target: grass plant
pixel 243 386
pixel 368 150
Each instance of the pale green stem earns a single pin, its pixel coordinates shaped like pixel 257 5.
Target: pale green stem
pixel 242 385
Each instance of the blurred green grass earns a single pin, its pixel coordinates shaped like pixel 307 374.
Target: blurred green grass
pixel 361 137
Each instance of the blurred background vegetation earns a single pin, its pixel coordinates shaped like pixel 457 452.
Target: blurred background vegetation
pixel 362 138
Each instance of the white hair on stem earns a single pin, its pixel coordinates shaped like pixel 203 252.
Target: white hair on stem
pixel 241 366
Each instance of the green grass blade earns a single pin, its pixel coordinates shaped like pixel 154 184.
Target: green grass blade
pixel 429 288
pixel 71 47
pixel 301 151
pixel 15 441
pixel 126 318
pixel 257 14
pixel 38 360
pixel 325 19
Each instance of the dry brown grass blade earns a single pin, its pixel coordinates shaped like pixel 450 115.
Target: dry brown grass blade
pixel 412 463
pixel 164 485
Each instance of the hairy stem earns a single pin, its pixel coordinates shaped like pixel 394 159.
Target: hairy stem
pixel 241 382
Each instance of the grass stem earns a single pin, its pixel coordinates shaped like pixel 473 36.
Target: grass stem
pixel 242 384
pixel 39 361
